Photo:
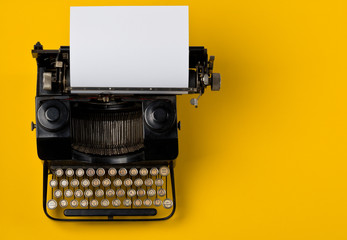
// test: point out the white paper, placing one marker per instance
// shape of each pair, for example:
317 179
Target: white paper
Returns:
129 47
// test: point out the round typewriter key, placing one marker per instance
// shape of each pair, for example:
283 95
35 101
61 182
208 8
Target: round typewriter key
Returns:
157 202
79 172
122 172
88 193
133 172
147 202
84 203
159 182
149 182
151 192
131 193
104 203
63 203
154 171
85 183
74 203
141 192
137 202
90 172
138 182
78 193
116 203
94 203
106 182
52 204
53 183
95 182
164 171
100 172
128 182
127 202
99 193
59 172
143 172
74 183
68 193
120 192
167 203
112 172
161 192
64 183
110 193
69 172
117 182
58 193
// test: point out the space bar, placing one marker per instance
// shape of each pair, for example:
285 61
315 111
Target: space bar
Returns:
110 212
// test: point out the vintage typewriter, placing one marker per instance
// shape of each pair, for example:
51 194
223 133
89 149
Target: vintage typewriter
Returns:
109 156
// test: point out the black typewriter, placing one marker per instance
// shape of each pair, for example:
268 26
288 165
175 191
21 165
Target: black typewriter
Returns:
109 154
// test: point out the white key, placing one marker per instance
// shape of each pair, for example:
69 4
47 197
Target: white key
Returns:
68 193
143 172
150 192
104 203
120 192
112 172
133 172
164 171
157 202
78 193
69 172
79 172
117 182
137 202
84 203
128 182
64 183
159 182
100 172
110 193
122 172
106 182
85 183
63 203
74 183
58 193
161 192
131 193
149 182
116 202
154 171
167 203
96 182
59 172
52 204
90 172
138 182
147 202
53 183
141 192
94 203
88 193
74 203
127 202
99 193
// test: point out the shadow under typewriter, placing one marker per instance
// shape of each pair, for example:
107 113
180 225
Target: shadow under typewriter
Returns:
99 193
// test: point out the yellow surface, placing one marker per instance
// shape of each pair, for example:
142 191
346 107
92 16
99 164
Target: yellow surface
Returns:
265 158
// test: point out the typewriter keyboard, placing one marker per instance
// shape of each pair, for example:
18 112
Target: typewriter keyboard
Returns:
96 192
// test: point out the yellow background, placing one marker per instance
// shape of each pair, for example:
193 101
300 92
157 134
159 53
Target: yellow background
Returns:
265 158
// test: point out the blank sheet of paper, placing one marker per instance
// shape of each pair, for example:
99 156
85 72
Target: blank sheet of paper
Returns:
129 47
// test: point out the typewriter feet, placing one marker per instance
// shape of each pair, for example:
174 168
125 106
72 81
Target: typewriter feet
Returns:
112 193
